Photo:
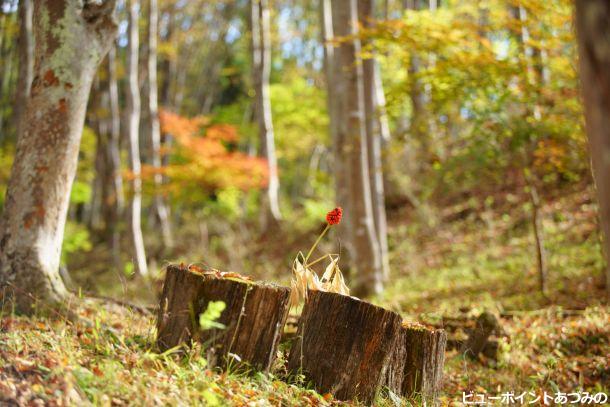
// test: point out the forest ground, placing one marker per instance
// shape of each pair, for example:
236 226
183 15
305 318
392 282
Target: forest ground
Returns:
475 261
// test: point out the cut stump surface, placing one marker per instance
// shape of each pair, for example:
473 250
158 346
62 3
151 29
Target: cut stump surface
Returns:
254 317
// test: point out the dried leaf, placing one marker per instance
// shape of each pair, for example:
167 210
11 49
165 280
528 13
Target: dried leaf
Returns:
328 273
338 284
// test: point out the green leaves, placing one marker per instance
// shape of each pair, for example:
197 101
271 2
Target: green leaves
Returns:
207 319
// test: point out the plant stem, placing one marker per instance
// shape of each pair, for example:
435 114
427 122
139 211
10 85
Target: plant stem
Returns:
316 243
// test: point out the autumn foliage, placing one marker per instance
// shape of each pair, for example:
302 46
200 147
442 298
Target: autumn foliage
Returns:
204 157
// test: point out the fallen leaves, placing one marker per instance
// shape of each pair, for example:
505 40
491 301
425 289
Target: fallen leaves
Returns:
212 272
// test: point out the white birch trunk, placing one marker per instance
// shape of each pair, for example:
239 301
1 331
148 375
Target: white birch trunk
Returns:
115 133
373 127
261 66
160 206
133 125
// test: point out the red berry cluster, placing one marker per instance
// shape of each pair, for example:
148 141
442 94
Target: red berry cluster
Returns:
334 217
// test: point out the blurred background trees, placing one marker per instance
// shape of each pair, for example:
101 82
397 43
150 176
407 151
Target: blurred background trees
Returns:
424 112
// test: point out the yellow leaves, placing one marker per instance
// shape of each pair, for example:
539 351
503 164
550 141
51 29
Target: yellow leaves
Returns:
551 155
304 278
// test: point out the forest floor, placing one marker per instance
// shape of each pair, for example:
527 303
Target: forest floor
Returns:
554 342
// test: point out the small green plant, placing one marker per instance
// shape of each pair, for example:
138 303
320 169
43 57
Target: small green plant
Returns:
207 319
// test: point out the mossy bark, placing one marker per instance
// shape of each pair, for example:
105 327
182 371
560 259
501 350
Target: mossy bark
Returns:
71 38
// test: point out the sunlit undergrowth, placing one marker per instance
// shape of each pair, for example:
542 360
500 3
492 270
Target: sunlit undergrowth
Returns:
490 262
461 267
110 361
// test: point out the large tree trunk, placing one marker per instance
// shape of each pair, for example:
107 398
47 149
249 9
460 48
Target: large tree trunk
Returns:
362 242
38 193
374 138
161 209
26 59
592 18
261 68
133 118
331 70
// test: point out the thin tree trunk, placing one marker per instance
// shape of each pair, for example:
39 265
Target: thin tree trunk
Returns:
373 137
160 206
26 59
38 193
133 117
539 237
7 75
347 79
94 207
114 159
380 105
593 30
532 80
261 67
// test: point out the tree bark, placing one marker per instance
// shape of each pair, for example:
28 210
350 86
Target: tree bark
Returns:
362 242
373 139
343 345
380 104
116 204
254 317
261 69
133 118
339 164
415 370
160 207
538 229
592 18
38 193
26 59
7 73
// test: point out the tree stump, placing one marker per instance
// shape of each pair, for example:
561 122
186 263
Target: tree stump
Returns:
254 317
415 370
477 340
343 345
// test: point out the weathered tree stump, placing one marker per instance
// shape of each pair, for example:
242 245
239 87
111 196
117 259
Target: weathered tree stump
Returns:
254 317
415 370
343 345
477 340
